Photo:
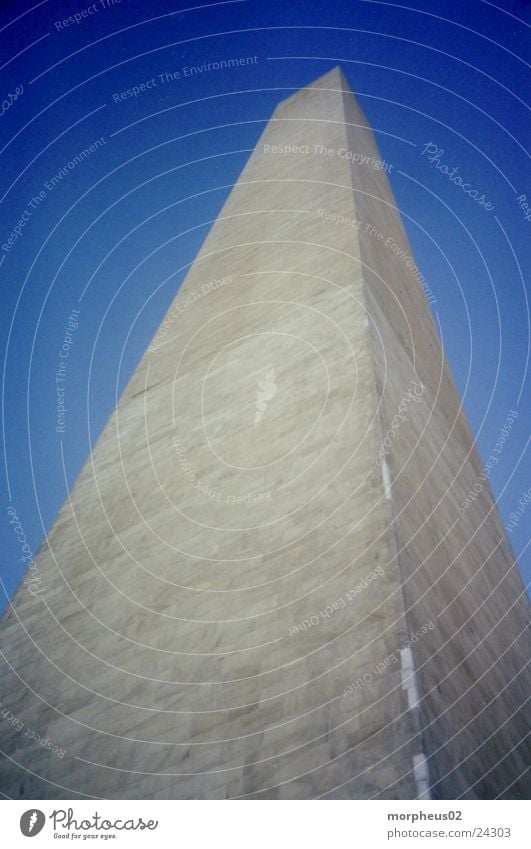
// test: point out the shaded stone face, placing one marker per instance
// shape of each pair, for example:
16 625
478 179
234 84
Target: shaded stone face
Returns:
251 591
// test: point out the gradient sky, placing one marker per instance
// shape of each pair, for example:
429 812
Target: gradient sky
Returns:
114 237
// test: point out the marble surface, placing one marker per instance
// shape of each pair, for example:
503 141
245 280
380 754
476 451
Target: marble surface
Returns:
225 594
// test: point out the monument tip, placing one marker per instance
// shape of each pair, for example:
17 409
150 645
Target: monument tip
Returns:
333 79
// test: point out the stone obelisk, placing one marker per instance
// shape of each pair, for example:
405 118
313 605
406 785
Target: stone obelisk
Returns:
264 583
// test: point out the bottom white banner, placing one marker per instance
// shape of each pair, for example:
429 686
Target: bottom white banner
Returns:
263 824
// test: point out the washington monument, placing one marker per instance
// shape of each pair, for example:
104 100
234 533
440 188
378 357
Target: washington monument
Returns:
281 573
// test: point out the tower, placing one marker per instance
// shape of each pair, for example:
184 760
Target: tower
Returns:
264 583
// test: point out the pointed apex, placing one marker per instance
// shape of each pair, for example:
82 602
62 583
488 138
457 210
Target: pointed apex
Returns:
333 79
333 83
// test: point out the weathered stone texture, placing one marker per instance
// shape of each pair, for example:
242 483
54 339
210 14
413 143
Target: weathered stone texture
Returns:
166 654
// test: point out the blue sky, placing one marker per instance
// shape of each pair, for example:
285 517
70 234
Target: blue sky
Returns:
115 234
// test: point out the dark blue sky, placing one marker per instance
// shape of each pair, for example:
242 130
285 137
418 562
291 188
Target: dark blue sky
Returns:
115 233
